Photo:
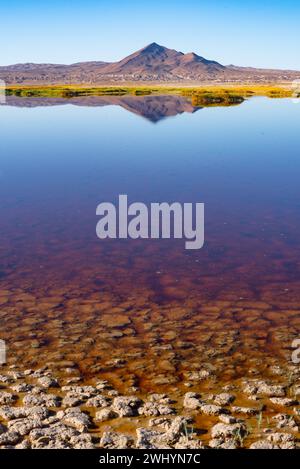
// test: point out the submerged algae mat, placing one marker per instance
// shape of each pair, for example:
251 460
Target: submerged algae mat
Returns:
154 337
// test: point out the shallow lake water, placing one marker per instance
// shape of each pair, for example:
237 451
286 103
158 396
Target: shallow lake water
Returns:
149 311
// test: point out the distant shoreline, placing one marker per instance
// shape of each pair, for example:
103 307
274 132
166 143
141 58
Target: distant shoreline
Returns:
203 95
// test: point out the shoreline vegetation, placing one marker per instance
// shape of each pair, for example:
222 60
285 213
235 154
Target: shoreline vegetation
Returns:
201 95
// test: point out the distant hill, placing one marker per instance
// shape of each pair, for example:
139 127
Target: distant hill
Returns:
152 64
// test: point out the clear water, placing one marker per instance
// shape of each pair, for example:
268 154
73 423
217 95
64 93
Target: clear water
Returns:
59 161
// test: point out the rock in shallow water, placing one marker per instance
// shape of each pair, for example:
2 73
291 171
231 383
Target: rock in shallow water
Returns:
221 430
285 402
105 414
224 399
10 413
25 425
43 399
151 439
126 406
56 436
77 419
114 440
48 382
7 398
192 401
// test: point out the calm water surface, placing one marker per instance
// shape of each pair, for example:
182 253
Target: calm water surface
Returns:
58 162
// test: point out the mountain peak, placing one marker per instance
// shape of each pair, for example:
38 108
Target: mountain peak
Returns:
153 48
153 45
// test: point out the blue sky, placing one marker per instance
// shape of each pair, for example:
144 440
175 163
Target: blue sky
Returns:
254 33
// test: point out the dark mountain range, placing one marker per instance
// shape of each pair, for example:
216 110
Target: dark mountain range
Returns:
152 64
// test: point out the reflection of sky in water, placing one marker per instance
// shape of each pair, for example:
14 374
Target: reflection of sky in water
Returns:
57 163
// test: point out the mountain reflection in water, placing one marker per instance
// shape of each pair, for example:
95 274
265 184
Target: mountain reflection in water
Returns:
153 108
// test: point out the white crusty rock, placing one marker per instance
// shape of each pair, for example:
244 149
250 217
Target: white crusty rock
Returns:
224 399
161 398
212 409
42 399
221 430
147 438
150 439
47 382
75 418
80 392
199 375
245 410
263 444
154 409
221 443
228 419
185 442
176 430
105 414
280 437
70 401
192 401
102 385
126 406
286 420
9 438
162 422
22 387
263 388
114 440
6 379
98 401
15 374
285 401
55 436
7 398
82 441
24 425
276 441
10 413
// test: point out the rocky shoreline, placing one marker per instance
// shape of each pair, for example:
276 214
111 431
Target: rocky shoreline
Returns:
107 372
38 410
